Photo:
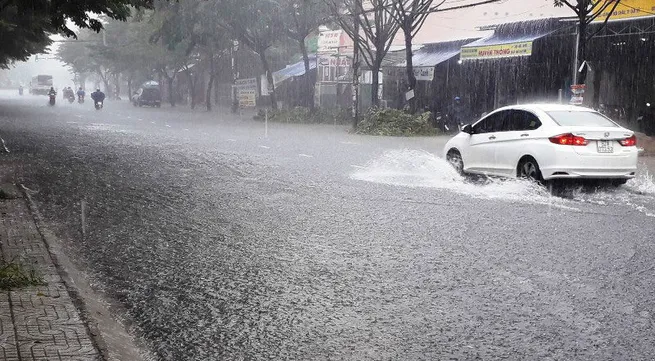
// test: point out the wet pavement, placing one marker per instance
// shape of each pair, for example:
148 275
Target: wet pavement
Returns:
311 243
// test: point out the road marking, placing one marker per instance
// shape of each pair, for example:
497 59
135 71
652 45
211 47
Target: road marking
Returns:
152 122
4 145
186 130
265 147
168 126
349 143
71 122
231 140
305 155
139 119
357 166
79 116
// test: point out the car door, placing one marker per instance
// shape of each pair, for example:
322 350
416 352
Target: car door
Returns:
514 140
480 157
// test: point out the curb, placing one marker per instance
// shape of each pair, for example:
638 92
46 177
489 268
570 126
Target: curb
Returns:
73 292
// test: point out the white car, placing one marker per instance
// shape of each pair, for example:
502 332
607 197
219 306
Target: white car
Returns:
545 142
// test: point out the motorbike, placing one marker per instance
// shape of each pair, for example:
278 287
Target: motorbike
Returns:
52 99
80 99
71 98
20 91
98 105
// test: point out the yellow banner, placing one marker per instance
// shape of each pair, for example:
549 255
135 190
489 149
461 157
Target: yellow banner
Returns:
497 51
628 9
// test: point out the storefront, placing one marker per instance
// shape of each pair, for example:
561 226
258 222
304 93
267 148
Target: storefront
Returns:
434 67
520 62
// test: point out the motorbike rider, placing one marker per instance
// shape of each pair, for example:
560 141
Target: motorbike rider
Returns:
98 96
458 114
81 93
52 92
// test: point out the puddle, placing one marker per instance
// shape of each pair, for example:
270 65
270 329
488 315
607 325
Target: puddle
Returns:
421 169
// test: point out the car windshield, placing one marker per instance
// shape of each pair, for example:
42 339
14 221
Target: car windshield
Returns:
577 118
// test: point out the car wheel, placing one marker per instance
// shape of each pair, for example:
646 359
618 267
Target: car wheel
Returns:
528 168
455 159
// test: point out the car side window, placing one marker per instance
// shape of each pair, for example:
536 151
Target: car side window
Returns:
523 120
493 123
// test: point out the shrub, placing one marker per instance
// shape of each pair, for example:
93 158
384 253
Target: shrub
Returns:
302 115
16 275
394 122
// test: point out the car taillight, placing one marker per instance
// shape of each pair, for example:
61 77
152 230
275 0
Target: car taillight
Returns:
568 139
629 142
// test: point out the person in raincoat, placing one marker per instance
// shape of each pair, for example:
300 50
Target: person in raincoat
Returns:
458 115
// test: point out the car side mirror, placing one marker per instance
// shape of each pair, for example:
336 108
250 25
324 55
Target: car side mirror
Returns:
467 129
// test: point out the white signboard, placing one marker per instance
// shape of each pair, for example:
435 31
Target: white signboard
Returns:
246 92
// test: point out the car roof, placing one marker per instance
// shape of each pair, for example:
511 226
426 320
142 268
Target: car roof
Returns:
550 107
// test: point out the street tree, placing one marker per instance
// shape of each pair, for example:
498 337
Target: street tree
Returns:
587 11
25 25
372 25
302 18
258 25
410 16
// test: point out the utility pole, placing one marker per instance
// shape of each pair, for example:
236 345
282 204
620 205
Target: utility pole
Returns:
356 73
235 76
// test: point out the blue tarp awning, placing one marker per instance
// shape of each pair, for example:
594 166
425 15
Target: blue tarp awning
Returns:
293 70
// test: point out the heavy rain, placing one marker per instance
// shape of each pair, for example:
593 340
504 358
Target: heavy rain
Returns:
327 179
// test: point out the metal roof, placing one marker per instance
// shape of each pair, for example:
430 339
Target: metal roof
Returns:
517 32
434 54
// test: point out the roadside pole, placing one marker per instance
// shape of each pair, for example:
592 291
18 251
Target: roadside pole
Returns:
265 122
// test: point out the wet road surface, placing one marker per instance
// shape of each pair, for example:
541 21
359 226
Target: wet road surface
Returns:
313 244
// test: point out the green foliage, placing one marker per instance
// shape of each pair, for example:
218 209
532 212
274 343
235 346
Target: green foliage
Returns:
302 115
16 275
393 122
25 25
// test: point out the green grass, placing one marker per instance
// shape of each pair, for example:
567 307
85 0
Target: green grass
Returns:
16 275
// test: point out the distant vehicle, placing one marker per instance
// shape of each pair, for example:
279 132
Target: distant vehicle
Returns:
98 105
41 84
53 98
148 94
20 90
544 142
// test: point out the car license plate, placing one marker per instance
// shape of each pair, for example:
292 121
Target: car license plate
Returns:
605 146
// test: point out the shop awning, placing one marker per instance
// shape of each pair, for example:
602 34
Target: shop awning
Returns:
293 70
510 40
428 56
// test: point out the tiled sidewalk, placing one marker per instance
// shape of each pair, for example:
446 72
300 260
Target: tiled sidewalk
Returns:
37 323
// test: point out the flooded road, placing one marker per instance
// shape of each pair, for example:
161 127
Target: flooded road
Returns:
312 244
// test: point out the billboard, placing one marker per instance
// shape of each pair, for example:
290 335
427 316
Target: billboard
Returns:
627 9
495 51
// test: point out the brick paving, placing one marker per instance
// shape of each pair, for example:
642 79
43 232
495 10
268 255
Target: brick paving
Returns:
37 323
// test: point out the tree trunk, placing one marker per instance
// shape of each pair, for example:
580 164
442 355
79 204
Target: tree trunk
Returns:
208 97
355 86
269 78
192 89
171 95
118 86
309 86
411 78
375 86
129 88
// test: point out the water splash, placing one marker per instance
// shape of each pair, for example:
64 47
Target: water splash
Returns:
415 168
421 169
